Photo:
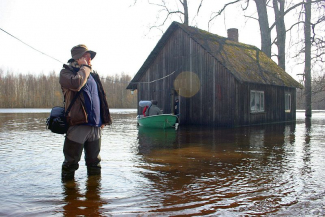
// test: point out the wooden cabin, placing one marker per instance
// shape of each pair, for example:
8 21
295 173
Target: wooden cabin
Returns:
218 81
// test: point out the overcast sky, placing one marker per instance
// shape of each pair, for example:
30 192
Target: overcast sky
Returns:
117 30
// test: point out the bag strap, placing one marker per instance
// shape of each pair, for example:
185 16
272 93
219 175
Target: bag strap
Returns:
72 102
75 97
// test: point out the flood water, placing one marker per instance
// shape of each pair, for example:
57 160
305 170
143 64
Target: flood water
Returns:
276 169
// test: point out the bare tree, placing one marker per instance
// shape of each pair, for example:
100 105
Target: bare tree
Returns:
308 57
318 35
278 6
167 11
313 49
264 26
261 6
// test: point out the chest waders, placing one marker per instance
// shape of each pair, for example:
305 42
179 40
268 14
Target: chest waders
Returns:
72 154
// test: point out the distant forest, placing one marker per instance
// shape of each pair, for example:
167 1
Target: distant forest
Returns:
317 94
44 91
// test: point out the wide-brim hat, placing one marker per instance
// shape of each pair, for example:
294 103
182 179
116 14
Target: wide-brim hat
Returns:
79 50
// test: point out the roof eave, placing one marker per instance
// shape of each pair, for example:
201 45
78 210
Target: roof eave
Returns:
152 56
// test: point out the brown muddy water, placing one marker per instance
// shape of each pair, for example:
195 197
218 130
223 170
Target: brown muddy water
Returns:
276 169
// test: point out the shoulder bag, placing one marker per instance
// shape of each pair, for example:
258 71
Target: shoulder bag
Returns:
57 121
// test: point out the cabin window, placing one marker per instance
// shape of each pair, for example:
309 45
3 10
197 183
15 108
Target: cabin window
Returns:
287 104
257 101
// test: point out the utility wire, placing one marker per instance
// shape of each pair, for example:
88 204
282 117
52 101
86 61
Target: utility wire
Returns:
146 82
30 46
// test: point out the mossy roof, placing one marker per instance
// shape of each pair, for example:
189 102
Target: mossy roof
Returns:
246 62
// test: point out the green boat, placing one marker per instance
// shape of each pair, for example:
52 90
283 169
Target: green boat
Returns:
157 121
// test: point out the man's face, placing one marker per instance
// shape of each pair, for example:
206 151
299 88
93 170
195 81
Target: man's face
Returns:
87 57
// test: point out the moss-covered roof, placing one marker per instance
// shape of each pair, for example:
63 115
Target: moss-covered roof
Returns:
247 63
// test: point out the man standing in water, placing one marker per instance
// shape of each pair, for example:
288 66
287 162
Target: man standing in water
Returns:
88 115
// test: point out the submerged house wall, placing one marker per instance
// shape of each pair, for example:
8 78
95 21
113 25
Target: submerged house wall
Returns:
274 104
212 82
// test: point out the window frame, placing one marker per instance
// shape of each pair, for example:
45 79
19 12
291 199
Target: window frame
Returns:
260 96
287 102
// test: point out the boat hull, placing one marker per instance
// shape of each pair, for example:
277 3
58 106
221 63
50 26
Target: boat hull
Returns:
158 121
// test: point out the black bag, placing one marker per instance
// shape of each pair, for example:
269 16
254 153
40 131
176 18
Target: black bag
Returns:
57 121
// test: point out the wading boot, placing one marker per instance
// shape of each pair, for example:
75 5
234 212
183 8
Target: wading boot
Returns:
68 171
92 157
67 176
72 153
93 170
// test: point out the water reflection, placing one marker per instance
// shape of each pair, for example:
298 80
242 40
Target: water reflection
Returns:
151 139
217 168
78 203
308 129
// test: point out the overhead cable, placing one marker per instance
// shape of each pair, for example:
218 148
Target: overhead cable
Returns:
30 46
148 82
144 82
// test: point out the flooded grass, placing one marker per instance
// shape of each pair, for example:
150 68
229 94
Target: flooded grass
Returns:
275 169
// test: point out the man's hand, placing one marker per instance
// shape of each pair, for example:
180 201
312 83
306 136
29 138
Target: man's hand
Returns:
82 61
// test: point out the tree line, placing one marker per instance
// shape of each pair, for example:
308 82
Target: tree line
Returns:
44 91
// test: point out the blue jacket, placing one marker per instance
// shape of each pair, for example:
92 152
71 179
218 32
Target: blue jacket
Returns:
92 102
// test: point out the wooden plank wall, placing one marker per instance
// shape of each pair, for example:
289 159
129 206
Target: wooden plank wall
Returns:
214 104
274 104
